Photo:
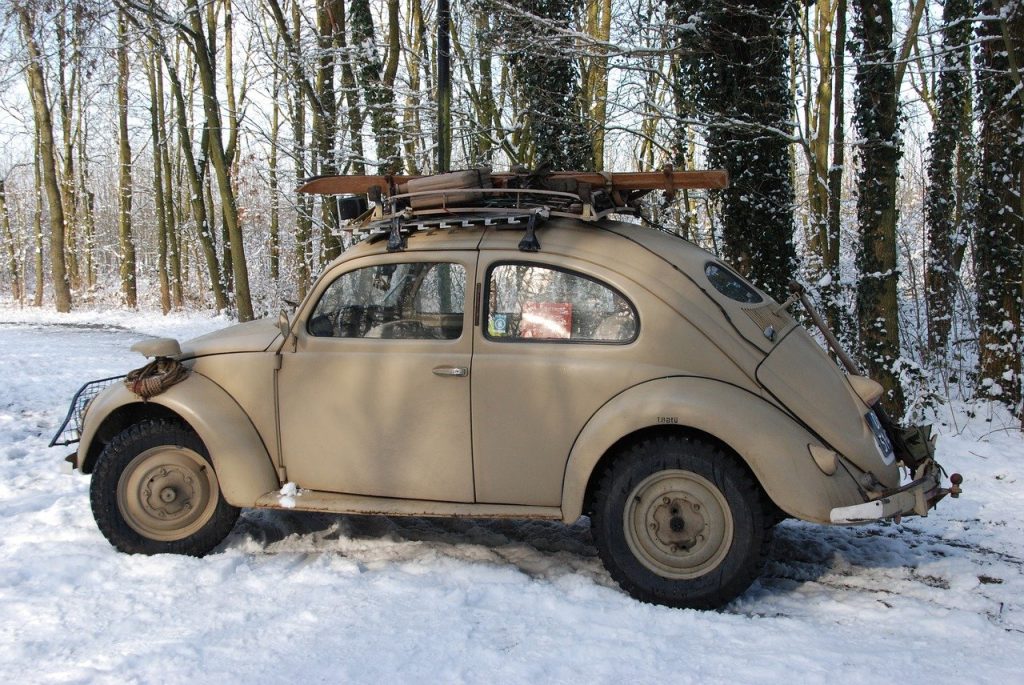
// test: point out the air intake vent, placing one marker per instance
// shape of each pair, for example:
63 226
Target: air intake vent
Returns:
765 316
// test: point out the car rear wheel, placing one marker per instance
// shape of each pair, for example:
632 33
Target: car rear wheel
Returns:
678 521
155 491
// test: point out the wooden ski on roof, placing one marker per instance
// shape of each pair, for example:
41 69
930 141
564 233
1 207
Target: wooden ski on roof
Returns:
667 180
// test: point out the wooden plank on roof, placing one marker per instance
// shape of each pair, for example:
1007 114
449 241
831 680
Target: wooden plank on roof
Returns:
621 181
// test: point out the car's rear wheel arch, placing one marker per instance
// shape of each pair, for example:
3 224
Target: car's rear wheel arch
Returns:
620 448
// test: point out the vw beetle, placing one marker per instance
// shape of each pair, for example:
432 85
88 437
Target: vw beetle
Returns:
501 347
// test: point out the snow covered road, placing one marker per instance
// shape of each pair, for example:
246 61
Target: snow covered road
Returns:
318 598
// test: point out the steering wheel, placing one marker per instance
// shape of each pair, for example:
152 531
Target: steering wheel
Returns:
397 329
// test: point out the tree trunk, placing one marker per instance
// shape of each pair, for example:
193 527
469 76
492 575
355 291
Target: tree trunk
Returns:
487 116
87 205
817 148
444 87
10 248
412 129
126 254
354 114
304 203
64 94
380 100
275 197
999 235
152 64
170 213
37 222
325 118
51 183
548 81
737 77
835 172
877 119
196 199
599 25
949 138
229 210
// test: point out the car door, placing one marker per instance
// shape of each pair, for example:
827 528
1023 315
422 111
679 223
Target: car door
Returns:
374 396
554 344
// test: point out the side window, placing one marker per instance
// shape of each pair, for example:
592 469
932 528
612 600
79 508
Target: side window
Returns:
730 285
530 302
415 301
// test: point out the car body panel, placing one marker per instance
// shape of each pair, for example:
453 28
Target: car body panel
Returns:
248 378
342 503
252 336
240 457
531 399
410 438
829 405
631 253
772 444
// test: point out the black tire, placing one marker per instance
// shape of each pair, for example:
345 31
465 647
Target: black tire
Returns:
154 491
679 522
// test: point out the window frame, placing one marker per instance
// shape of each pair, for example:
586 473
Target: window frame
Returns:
359 266
485 303
744 283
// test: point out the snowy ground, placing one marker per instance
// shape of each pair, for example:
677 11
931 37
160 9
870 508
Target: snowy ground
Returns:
303 598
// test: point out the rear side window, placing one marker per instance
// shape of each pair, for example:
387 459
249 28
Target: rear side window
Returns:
729 284
528 302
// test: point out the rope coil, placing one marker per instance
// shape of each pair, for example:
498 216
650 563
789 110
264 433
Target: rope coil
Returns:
155 377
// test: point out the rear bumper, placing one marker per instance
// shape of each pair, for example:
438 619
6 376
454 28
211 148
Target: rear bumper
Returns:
914 498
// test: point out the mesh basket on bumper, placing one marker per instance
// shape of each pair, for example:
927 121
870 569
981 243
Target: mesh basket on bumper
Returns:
70 431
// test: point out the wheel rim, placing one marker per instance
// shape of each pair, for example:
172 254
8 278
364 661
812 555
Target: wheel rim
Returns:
678 524
167 493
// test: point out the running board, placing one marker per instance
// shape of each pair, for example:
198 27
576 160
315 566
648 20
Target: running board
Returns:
337 503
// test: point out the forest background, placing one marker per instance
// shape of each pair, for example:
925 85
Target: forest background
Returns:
149 151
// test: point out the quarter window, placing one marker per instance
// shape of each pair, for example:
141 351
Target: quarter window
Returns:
415 301
729 284
530 302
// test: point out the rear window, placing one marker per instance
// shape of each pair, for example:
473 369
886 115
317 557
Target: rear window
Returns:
729 284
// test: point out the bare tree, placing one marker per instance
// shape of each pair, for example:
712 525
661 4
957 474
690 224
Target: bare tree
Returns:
126 255
9 245
51 182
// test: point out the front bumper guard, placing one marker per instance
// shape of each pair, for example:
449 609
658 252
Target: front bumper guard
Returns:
914 498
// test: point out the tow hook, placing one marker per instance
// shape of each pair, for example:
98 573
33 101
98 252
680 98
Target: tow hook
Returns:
955 480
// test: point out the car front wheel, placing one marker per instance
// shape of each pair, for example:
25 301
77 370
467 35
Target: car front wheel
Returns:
154 490
679 522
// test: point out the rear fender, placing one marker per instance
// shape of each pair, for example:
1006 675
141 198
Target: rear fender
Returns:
772 444
243 465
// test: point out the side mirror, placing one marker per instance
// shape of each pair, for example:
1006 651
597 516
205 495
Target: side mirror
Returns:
284 325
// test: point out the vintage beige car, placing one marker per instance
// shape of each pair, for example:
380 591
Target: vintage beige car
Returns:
532 358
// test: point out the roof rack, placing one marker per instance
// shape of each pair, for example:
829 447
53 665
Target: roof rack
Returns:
478 197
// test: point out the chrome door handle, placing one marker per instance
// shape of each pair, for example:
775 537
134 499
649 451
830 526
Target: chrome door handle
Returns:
457 371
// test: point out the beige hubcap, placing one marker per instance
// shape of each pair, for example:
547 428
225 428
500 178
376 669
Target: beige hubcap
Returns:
167 493
678 524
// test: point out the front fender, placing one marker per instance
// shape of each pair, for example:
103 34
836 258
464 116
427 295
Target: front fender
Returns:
243 465
772 444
